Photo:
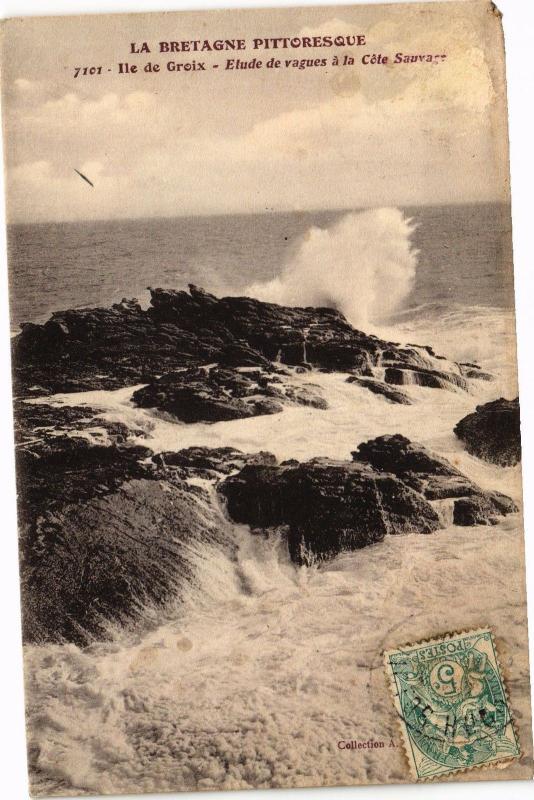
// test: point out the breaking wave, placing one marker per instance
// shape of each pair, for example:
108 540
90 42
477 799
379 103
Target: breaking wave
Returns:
364 265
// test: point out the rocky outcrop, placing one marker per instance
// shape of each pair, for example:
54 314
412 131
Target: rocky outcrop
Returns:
327 506
399 455
469 370
430 378
482 508
82 349
435 478
108 529
330 506
382 389
86 566
492 432
213 394
210 462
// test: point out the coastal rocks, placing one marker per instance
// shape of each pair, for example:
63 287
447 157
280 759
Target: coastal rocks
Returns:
431 378
396 453
327 506
210 462
492 432
99 348
473 371
88 567
38 423
67 468
381 388
393 486
482 509
213 394
109 531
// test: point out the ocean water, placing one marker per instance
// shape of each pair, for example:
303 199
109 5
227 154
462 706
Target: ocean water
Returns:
253 679
464 256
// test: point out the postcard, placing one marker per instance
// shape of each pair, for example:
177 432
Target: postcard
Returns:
267 420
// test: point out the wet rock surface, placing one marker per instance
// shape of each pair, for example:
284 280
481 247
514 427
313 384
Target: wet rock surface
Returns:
430 378
125 345
214 394
492 432
381 388
331 506
211 462
109 529
100 563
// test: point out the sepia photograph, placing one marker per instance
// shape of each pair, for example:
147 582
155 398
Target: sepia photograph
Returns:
266 406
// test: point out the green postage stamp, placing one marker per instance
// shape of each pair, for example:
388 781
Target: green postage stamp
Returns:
452 704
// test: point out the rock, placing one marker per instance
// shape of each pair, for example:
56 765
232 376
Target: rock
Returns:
503 503
397 454
475 373
214 394
306 395
106 528
199 395
477 510
239 354
71 469
327 506
381 388
492 432
223 460
440 487
37 423
99 348
431 378
87 564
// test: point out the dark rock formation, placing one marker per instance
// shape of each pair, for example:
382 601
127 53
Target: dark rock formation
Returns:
211 462
431 378
214 394
36 425
399 455
125 345
107 528
328 506
381 388
331 506
473 371
67 468
482 509
87 564
492 432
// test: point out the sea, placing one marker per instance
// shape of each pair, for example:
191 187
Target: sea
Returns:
253 677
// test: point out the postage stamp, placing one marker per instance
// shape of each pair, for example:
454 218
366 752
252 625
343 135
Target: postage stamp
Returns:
452 704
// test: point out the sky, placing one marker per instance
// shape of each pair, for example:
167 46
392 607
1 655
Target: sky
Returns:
221 141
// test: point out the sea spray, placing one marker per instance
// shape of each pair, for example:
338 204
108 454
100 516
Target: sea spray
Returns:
364 265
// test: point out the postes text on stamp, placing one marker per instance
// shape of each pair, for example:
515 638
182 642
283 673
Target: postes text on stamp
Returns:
452 704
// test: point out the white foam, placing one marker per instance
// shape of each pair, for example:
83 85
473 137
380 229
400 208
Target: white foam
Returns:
363 265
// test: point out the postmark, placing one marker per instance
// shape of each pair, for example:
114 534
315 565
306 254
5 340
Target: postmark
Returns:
451 699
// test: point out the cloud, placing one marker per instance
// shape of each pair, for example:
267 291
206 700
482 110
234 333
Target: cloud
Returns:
419 136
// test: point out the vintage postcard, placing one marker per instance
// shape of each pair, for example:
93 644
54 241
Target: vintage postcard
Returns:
266 404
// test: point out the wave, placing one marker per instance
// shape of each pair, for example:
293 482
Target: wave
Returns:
466 333
364 265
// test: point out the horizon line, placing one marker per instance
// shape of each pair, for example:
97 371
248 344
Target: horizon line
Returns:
192 215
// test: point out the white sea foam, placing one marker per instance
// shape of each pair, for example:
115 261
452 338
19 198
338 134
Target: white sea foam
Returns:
261 668
256 688
364 265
